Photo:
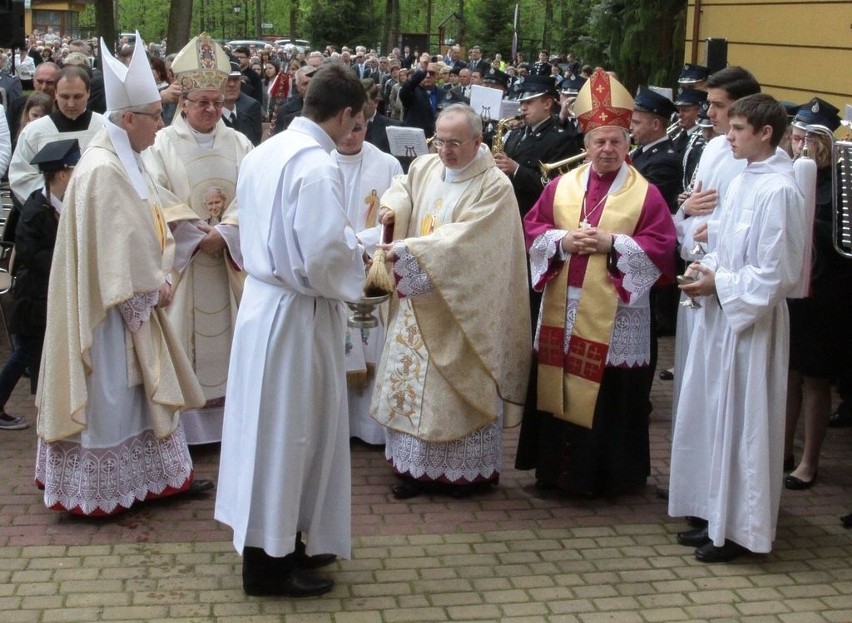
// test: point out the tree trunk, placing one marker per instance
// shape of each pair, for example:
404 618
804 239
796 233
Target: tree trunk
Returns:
180 23
105 23
294 19
548 24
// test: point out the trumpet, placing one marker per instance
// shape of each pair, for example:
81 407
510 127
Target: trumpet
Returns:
560 166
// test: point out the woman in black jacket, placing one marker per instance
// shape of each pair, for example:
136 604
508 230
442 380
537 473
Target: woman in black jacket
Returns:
35 237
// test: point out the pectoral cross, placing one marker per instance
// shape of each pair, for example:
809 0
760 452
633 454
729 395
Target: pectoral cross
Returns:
584 224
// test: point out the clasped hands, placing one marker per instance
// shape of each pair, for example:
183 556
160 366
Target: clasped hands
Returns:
213 243
587 241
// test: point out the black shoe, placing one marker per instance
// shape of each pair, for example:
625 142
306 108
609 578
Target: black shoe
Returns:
842 417
407 489
695 522
667 375
199 486
710 553
797 484
294 583
846 520
301 560
662 493
693 538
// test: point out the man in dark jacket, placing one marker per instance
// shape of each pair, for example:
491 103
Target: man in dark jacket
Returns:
420 96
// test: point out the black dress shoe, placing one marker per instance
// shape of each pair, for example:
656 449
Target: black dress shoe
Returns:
695 522
693 538
300 559
407 489
662 493
667 375
294 583
199 486
710 553
797 484
846 520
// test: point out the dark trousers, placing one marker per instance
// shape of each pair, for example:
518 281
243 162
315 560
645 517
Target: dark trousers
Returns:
26 353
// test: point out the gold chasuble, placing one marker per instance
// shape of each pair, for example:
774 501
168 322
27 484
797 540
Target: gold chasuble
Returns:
111 246
568 383
455 354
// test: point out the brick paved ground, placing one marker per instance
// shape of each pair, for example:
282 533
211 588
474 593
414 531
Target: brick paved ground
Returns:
515 555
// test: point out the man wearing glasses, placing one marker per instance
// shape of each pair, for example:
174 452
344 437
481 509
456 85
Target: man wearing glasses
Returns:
195 154
115 377
456 358
420 97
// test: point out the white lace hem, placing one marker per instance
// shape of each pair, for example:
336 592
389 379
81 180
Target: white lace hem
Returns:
413 280
106 480
473 458
630 341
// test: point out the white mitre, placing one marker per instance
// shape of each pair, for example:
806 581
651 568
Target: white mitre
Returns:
202 65
128 86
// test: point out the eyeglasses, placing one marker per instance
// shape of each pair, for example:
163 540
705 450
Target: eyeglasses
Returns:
153 115
440 143
207 103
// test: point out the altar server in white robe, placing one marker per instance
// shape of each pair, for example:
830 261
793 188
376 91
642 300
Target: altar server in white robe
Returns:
114 376
71 119
367 174
728 445
716 170
198 158
285 444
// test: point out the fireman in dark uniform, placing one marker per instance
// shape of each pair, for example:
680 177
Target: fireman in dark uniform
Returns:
540 138
658 162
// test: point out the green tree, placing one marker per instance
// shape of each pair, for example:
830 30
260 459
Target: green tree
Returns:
345 22
643 38
490 26
180 23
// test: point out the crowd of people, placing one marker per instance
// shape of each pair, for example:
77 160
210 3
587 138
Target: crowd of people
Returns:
201 270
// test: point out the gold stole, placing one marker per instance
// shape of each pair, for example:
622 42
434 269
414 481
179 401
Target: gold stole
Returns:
568 384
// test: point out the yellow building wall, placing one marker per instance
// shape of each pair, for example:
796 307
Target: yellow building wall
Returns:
49 6
795 48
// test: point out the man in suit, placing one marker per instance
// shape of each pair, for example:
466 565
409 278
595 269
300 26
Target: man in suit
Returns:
476 60
241 111
420 96
377 124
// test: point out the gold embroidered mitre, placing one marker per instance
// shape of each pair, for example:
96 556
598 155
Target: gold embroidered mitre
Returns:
202 65
602 102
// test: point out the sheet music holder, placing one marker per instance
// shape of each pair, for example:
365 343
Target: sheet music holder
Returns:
407 142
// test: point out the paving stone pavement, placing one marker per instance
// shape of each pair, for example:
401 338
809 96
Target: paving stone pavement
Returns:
514 555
